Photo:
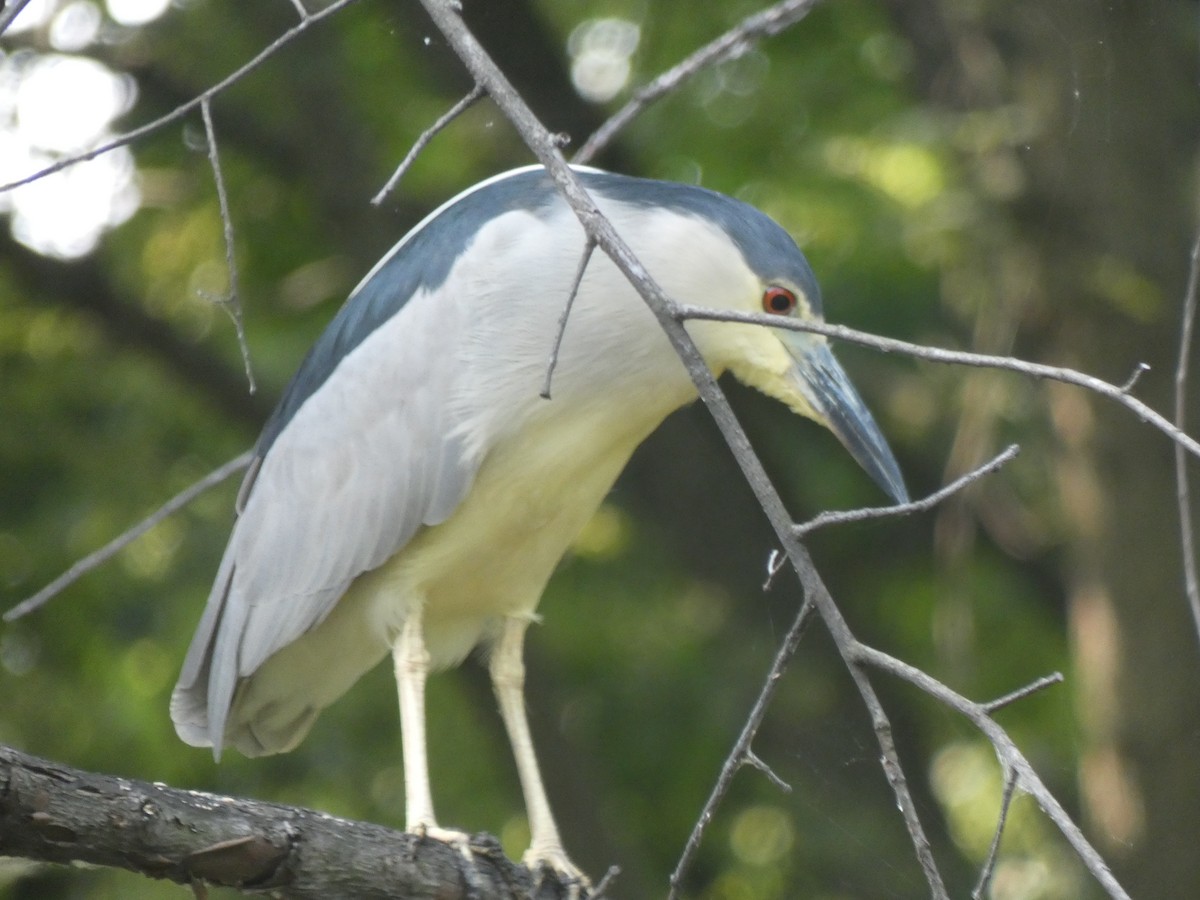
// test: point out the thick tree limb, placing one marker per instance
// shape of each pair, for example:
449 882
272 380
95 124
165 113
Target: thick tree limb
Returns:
53 813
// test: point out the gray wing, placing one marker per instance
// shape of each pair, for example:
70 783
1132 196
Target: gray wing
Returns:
369 456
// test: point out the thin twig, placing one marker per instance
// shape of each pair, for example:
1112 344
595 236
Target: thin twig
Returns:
231 302
989 864
10 12
426 136
184 109
481 67
1182 483
1021 693
741 753
776 561
1134 377
904 509
300 9
753 759
1010 757
893 770
566 314
604 883
956 358
101 556
729 45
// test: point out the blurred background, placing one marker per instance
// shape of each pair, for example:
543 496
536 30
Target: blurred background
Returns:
1006 176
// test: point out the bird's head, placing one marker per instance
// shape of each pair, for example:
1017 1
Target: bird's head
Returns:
718 252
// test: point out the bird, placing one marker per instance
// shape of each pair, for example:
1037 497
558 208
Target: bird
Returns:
413 491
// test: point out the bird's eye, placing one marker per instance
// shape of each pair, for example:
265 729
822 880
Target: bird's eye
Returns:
778 301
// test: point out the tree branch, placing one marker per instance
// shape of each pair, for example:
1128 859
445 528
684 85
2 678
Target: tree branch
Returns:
1182 484
99 557
57 814
729 45
957 358
183 109
232 301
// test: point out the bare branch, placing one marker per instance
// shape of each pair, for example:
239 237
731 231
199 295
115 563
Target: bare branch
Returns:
9 13
1010 757
231 302
300 9
904 509
604 883
1182 484
989 865
741 752
753 759
1134 377
730 45
117 544
1021 693
423 141
588 248
57 814
847 646
183 109
956 358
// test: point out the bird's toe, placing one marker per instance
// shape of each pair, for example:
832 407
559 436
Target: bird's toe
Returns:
569 875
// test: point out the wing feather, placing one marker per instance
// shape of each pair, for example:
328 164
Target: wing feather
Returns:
369 458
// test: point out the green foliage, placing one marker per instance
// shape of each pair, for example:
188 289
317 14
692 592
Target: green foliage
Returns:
913 207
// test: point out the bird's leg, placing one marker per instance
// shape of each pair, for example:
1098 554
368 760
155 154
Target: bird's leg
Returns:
508 679
411 660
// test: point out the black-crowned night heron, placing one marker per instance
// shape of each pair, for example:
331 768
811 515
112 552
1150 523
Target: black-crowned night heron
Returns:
413 491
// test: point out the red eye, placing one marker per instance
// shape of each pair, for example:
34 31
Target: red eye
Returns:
778 301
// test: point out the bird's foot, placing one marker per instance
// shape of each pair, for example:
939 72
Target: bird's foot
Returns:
554 859
459 840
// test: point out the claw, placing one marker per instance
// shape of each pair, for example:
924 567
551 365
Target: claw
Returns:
554 859
460 841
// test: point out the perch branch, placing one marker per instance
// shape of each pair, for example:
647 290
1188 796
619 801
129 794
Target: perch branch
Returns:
57 814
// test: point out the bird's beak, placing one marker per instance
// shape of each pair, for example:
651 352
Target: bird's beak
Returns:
824 384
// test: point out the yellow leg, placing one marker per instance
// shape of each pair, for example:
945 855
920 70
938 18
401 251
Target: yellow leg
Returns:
507 669
412 668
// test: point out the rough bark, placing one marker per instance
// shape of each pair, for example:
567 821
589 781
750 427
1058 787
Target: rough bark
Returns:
53 813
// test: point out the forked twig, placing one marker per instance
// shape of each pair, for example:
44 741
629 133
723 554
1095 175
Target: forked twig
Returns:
905 509
776 561
741 754
231 302
1010 757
